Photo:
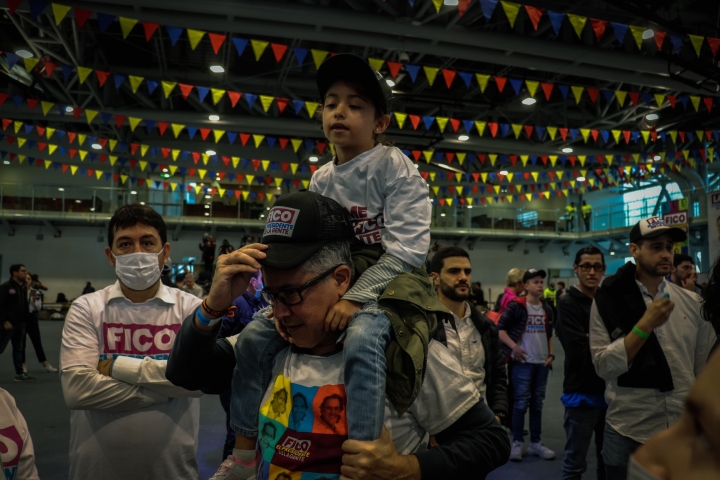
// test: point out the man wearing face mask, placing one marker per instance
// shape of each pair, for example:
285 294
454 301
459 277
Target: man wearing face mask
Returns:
127 420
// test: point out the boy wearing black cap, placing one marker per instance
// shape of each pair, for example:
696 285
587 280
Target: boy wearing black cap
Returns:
525 329
648 341
388 201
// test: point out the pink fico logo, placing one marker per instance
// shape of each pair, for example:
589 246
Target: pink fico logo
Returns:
139 339
11 446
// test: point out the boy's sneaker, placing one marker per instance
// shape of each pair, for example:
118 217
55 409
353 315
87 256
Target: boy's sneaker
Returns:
23 377
231 470
516 452
541 451
50 369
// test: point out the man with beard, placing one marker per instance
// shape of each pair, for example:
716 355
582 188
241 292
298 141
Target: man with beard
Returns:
648 342
473 339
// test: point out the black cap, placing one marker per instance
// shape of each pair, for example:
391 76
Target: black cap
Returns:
299 224
652 227
532 273
346 66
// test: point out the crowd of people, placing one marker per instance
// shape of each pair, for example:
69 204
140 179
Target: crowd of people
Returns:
340 348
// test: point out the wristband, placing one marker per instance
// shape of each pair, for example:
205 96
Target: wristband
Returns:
214 313
208 322
552 355
640 333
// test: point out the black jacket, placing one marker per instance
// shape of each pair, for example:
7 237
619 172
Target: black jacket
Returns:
13 303
572 328
471 447
494 366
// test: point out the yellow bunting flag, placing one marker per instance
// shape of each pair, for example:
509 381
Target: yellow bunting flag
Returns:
306 184
81 138
311 108
46 106
449 201
585 132
198 189
636 158
376 63
400 118
659 99
517 129
83 154
265 164
134 121
258 140
112 143
113 159
143 149
266 101
293 167
646 135
194 36
673 135
532 86
578 23
695 101
510 177
438 4
493 158
482 81
637 33
90 114
480 127
697 42
259 47
52 148
442 122
616 135
83 73
18 125
47 164
428 155
577 92
73 169
524 159
621 95
431 73
205 158
461 157
135 82
318 56
296 142
553 160
511 11
175 154
21 142
177 128
59 11
218 135
235 161
458 178
98 174
245 195
168 87
559 174
552 131
582 159
126 25
30 64
484 177
535 175
49 132
143 165
202 173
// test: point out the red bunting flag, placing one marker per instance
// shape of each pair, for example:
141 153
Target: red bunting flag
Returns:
284 166
671 99
463 6
216 40
563 133
204 132
593 93
77 111
102 77
196 159
321 147
416 155
394 68
234 97
13 5
73 152
65 167
165 152
660 38
41 130
455 123
281 103
283 142
3 97
415 120
598 27
626 135
150 29
119 120
501 81
449 77
634 97
708 103
81 16
528 130
162 126
595 134
134 147
278 50
256 164
547 88
244 137
493 126
714 44
185 90
41 146
49 67
535 15
32 103
71 136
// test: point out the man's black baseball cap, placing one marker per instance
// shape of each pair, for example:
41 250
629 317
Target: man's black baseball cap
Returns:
532 273
351 68
299 224
652 227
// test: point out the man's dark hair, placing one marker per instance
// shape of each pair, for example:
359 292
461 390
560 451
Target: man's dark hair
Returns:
130 215
15 268
680 258
35 277
561 283
588 251
334 396
438 260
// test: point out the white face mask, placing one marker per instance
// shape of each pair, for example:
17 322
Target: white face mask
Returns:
138 271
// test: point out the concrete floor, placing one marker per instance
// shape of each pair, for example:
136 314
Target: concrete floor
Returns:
48 418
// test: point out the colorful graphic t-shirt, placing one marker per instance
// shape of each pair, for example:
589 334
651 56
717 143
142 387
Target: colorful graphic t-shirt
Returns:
303 416
534 338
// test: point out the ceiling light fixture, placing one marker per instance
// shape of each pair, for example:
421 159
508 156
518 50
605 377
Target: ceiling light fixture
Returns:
567 150
207 206
96 146
208 196
612 253
210 152
649 33
133 192
141 203
78 201
657 158
463 138
216 69
69 109
390 82
214 118
529 101
24 53
165 170
61 189
503 172
452 3
442 214
580 179
6 162
652 117
207 214
469 206
193 184
313 159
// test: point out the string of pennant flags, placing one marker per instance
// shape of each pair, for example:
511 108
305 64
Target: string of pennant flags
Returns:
494 129
511 10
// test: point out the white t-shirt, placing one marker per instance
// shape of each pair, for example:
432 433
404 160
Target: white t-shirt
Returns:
303 419
534 339
387 197
158 441
17 455
465 344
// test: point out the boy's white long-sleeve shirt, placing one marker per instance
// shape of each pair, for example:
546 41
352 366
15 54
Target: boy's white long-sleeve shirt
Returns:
385 194
18 455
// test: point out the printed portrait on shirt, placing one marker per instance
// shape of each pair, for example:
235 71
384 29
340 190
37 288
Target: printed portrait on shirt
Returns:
278 406
330 412
302 415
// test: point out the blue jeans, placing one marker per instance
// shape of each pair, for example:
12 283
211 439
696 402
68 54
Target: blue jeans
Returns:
529 383
580 423
366 339
616 453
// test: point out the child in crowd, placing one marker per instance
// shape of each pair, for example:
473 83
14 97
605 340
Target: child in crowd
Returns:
388 199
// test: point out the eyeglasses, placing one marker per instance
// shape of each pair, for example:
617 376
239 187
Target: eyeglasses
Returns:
293 296
585 267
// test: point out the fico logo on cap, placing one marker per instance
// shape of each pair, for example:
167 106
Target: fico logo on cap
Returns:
654 222
281 221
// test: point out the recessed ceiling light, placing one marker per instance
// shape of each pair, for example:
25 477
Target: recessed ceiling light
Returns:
262 215
503 172
390 82
208 196
452 3
529 101
216 68
24 53
567 150
214 118
193 184
210 152
463 138
648 34
313 159
133 192
207 214
61 189
6 162
207 206
657 158
69 109
469 206
580 179
96 146
442 214
78 201
652 116
165 170
142 203
92 209
612 253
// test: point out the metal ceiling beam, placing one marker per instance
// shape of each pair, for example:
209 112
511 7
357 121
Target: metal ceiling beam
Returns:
8 228
322 24
56 233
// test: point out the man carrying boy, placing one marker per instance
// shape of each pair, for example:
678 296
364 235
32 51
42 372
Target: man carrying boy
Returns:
525 330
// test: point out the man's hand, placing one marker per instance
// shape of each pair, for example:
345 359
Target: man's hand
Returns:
232 275
377 460
105 367
518 353
688 283
549 360
656 315
340 314
7 326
